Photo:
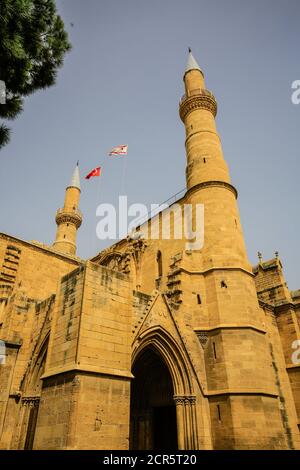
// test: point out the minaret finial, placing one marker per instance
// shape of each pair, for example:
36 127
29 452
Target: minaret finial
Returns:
259 256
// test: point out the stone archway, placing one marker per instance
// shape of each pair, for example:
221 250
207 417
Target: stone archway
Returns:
162 387
152 409
31 398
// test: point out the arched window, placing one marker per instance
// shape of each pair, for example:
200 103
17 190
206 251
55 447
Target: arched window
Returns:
159 263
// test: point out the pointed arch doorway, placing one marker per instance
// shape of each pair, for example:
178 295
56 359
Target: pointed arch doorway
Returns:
31 399
153 423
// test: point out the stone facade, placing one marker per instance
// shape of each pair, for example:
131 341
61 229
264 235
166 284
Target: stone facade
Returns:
150 345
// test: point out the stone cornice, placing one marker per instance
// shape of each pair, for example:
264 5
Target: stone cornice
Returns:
284 306
266 306
234 391
82 369
213 268
12 344
293 366
201 131
38 246
278 286
208 184
232 326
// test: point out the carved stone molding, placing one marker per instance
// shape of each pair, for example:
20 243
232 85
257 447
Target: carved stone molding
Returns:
203 100
136 248
68 217
115 260
203 338
184 399
30 402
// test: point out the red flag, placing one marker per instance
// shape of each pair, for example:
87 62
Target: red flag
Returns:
94 172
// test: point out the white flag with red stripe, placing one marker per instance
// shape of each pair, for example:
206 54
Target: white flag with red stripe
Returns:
119 150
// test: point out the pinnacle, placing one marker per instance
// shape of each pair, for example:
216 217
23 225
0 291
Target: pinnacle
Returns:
191 63
75 180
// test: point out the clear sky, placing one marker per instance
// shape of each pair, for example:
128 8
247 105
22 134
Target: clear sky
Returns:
122 82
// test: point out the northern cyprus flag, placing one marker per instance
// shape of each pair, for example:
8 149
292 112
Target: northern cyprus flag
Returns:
119 150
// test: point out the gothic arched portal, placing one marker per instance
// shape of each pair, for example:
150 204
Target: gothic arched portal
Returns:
153 411
163 403
31 399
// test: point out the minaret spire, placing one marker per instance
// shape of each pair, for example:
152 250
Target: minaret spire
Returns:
69 218
75 180
192 63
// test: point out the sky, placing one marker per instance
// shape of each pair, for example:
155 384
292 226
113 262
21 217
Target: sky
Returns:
121 83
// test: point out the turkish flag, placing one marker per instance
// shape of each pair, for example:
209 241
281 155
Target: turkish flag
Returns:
94 172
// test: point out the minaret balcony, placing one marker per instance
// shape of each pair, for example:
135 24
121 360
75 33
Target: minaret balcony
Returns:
73 216
199 98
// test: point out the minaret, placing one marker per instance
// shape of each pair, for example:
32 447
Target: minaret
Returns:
69 218
198 109
207 174
241 379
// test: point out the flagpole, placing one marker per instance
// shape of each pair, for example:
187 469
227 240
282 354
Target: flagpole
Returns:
98 195
123 175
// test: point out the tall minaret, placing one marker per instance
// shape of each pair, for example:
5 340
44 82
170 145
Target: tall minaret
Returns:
242 381
207 174
69 218
198 109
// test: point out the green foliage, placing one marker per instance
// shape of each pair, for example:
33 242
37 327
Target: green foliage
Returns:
33 43
4 135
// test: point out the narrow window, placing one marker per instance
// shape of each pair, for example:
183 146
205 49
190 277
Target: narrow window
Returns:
223 284
159 263
214 349
204 160
219 412
64 236
198 299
